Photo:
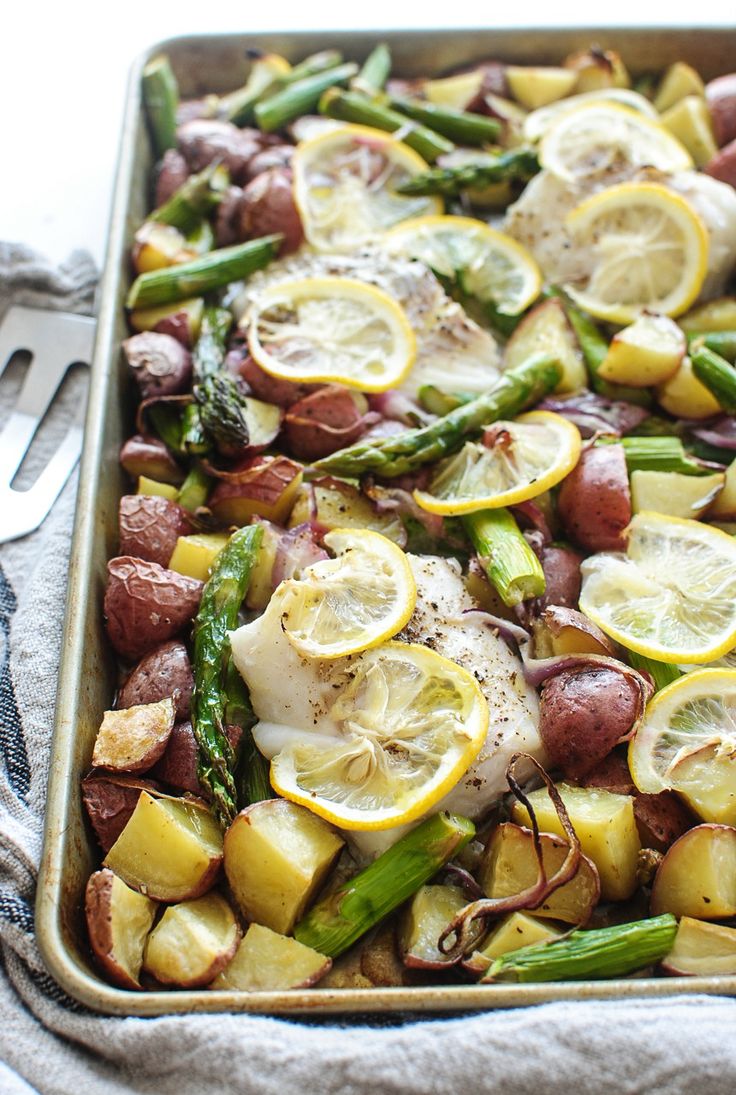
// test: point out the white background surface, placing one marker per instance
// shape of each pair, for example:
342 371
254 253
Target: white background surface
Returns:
64 66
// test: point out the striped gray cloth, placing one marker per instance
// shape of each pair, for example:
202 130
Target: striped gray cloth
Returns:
51 1045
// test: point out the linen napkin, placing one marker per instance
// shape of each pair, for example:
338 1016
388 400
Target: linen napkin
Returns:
53 1046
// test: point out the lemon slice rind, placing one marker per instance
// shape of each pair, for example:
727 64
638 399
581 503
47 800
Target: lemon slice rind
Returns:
331 330
370 578
475 461
386 772
665 585
626 251
490 265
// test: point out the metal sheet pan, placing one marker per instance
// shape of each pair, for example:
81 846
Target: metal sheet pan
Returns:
87 675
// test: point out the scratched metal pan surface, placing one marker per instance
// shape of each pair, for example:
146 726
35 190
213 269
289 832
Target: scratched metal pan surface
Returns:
87 675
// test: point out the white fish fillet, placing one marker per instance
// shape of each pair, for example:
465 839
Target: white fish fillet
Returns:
453 352
537 220
292 695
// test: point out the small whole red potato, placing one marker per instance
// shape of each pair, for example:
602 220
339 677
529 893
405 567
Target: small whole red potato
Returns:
722 166
325 421
159 363
583 713
172 173
150 526
595 502
720 95
110 800
561 566
148 456
268 206
165 671
203 140
145 604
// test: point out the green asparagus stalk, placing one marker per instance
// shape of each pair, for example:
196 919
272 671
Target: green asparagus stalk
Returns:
436 401
336 922
504 554
194 199
602 952
516 390
300 97
316 63
203 274
265 78
166 419
252 768
351 106
222 412
656 454
161 98
194 440
459 126
375 71
209 352
448 182
717 374
722 343
594 347
662 673
218 614
195 489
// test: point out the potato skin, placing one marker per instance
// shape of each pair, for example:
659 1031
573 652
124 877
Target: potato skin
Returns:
178 767
561 566
98 914
145 604
202 140
722 166
323 422
583 713
720 95
142 455
150 526
595 502
109 801
159 363
271 389
172 172
164 671
268 206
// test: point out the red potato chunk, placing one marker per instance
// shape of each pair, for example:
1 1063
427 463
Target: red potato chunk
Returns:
145 604
325 421
722 166
595 501
172 173
150 526
561 566
278 155
159 363
203 140
720 95
583 713
178 767
268 206
118 921
165 671
110 800
148 456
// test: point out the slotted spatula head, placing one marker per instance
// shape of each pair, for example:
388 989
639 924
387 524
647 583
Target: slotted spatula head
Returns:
55 341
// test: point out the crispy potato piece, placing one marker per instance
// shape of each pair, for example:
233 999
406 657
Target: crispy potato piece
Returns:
192 942
697 877
118 921
165 671
277 855
701 950
510 866
516 930
110 801
267 961
133 739
606 827
424 919
171 849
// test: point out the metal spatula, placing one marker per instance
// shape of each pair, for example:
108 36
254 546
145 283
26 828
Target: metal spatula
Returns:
55 340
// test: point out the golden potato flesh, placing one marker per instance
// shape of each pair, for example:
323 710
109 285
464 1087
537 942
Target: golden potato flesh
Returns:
516 930
192 942
697 876
170 849
134 738
509 866
606 828
277 855
118 921
424 919
702 950
266 961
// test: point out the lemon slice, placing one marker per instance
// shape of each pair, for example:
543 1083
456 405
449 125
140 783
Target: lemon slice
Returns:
346 187
598 136
331 330
411 724
486 264
672 596
340 606
539 121
649 249
687 743
527 457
